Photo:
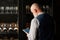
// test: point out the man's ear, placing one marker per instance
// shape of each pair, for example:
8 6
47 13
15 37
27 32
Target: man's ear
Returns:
35 10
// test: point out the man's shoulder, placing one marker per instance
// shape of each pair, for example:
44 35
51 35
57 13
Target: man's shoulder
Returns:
34 19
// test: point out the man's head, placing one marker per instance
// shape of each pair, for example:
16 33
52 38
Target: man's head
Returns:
35 9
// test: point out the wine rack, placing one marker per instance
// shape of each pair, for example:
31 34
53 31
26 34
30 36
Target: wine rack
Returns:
9 16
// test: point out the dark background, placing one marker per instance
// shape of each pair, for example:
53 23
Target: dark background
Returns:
24 16
8 18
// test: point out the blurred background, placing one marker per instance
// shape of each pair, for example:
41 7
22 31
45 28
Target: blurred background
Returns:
15 15
9 16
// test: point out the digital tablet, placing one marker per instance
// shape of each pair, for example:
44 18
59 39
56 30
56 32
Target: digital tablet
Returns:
26 30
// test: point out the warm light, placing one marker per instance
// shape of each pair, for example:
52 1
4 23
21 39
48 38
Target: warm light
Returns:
27 7
7 8
43 6
2 8
4 28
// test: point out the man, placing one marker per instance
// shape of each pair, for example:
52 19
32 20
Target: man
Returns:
42 27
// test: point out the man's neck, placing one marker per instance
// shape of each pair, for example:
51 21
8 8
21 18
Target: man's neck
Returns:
38 14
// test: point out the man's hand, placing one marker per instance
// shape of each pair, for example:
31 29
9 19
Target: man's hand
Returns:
27 34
